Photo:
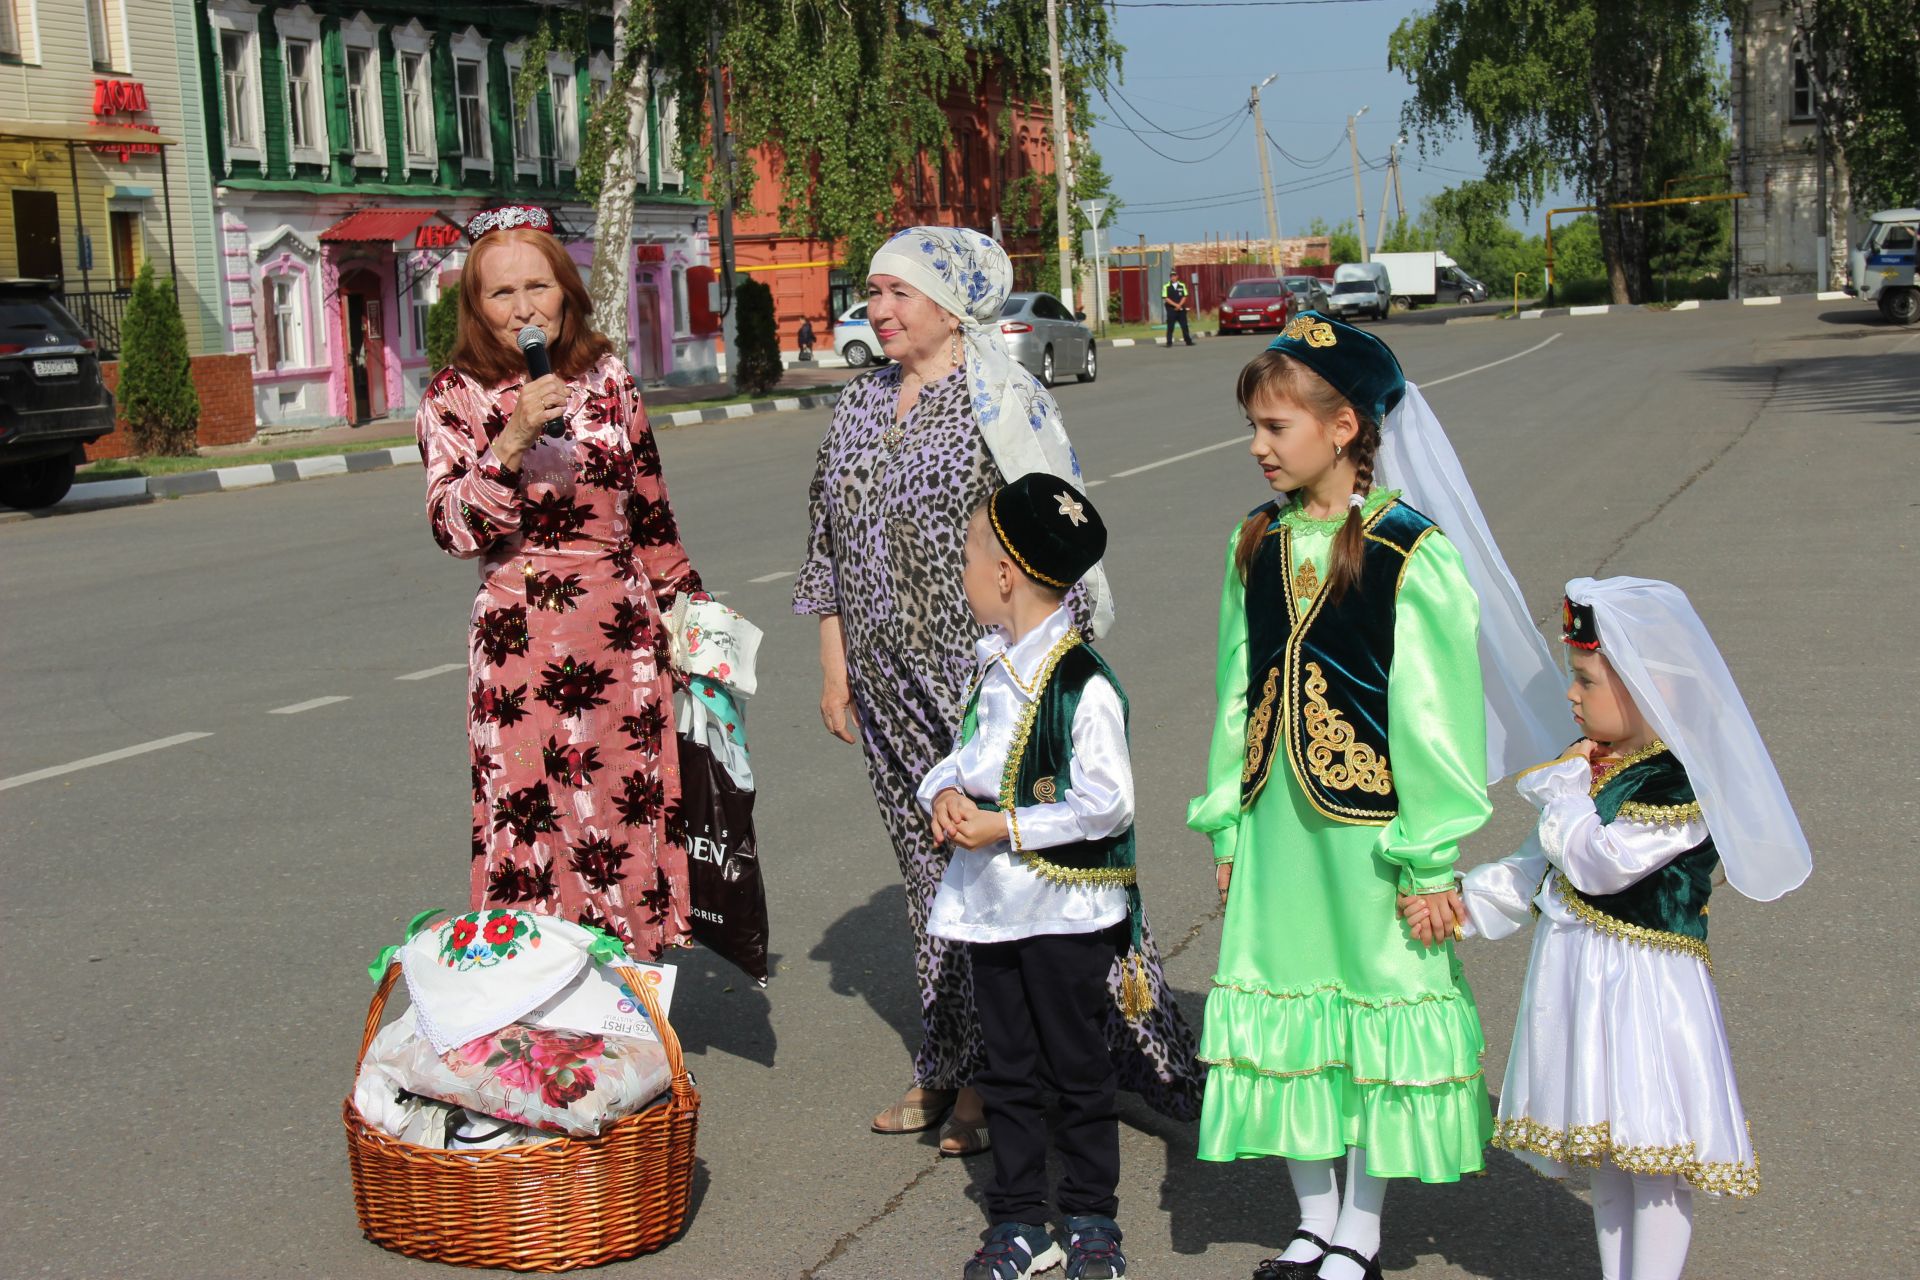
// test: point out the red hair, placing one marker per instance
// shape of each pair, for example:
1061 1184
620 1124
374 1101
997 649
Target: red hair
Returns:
478 350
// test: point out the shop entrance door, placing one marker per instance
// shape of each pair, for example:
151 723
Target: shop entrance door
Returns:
366 347
36 235
646 331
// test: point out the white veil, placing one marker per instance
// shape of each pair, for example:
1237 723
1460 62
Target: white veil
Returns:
1527 719
1660 648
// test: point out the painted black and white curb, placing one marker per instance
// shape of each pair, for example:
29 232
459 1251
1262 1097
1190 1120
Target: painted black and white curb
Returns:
1691 304
141 489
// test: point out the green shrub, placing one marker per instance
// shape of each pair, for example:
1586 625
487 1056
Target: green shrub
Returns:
443 323
757 338
156 393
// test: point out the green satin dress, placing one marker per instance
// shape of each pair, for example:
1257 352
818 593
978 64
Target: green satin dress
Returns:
1328 1026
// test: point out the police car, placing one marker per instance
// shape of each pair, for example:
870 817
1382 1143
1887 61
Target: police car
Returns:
1883 264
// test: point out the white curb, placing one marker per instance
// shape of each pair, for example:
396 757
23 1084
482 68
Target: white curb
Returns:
1589 311
1761 302
1691 304
1832 295
245 477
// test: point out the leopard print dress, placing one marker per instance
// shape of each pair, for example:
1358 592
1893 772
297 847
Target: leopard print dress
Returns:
888 526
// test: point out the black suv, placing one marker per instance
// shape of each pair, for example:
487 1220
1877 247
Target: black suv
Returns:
52 401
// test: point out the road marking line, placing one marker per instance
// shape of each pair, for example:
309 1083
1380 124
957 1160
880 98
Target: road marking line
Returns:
440 670
771 577
1095 484
1179 457
21 780
1242 439
1494 364
308 705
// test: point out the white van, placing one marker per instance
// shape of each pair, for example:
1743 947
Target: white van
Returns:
1361 289
1883 264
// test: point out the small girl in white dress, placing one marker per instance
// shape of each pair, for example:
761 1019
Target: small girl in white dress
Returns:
1620 1059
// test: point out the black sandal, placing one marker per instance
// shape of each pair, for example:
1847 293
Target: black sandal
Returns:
1274 1269
1369 1267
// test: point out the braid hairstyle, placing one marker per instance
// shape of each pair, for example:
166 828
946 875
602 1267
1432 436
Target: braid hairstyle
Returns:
1350 544
1279 374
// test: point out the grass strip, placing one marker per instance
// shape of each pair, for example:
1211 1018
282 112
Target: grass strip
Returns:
127 468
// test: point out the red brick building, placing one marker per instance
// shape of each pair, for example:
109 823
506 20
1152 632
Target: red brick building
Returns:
992 149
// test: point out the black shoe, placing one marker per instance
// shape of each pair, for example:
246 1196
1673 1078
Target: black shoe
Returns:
1093 1249
1013 1251
1370 1267
1274 1269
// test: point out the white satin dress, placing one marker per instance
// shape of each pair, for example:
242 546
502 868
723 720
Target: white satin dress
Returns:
1619 1052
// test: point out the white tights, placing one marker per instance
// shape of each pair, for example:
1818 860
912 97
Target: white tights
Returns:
1354 1223
1644 1223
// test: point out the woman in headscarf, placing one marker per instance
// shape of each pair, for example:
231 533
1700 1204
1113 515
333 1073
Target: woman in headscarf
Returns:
913 448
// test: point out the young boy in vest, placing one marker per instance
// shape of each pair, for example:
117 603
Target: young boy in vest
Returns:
1037 801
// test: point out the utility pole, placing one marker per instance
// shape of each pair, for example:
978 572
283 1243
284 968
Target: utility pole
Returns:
1359 197
1399 206
1063 201
1266 176
1389 187
723 191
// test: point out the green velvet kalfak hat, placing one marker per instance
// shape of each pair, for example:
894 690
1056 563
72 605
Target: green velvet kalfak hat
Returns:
1049 528
1354 362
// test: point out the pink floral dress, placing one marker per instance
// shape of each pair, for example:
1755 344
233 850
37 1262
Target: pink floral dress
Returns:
576 779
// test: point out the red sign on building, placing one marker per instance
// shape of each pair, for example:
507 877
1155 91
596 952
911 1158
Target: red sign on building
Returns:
122 97
437 235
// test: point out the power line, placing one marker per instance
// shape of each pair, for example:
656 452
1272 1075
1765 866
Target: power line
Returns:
1212 127
1118 119
1305 164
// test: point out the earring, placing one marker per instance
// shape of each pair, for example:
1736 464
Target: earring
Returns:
1339 449
956 346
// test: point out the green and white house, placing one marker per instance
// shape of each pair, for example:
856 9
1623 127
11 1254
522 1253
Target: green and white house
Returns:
348 145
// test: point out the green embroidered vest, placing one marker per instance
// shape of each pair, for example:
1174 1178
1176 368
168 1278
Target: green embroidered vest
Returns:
1666 908
1039 771
1317 686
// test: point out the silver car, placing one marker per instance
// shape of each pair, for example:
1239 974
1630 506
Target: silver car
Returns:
1044 336
1309 293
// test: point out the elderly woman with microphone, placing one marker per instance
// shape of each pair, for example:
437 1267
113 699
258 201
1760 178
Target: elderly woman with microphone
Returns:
540 465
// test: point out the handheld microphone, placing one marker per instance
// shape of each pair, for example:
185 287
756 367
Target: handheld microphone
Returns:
533 345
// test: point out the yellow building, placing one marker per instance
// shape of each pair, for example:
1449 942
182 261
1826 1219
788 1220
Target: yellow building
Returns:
103 156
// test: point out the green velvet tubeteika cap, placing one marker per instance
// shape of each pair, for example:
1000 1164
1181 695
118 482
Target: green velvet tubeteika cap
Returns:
1354 362
1049 528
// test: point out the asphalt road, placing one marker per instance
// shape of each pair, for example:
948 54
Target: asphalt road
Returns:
185 929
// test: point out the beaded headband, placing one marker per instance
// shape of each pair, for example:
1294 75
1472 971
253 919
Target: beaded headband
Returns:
507 217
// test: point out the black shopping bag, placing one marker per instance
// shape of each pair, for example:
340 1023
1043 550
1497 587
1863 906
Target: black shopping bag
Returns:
728 897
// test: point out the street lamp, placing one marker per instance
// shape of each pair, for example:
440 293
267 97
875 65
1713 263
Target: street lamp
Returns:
1266 175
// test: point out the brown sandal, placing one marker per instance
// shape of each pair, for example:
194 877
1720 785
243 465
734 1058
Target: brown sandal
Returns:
967 1139
914 1117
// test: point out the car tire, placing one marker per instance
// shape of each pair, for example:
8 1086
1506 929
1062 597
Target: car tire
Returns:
1403 302
31 486
1046 367
858 355
1091 369
1902 306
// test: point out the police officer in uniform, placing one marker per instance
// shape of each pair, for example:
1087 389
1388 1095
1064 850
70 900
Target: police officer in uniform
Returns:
1173 295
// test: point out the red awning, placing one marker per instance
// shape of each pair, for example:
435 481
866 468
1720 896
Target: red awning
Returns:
386 225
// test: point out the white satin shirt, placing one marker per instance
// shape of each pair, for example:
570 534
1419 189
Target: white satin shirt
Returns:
989 894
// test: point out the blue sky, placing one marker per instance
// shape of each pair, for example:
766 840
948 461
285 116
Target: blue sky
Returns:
1189 66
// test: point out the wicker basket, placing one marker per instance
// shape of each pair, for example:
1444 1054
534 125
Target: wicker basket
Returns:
548 1206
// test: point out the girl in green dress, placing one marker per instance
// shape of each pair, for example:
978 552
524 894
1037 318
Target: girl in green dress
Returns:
1349 759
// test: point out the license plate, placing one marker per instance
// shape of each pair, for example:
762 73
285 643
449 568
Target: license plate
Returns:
55 368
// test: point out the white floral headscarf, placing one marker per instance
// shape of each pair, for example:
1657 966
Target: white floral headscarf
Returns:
969 275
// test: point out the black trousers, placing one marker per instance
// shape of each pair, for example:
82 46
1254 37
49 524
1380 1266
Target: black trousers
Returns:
1180 318
1042 1003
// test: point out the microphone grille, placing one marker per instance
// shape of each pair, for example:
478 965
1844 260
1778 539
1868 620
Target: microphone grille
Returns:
531 337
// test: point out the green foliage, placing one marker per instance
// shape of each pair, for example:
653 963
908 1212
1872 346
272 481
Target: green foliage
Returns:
1029 209
850 92
1403 236
156 393
1599 95
1343 240
1576 250
1865 57
757 338
443 325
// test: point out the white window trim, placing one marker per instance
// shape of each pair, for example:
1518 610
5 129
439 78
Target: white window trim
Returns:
302 24
26 30
362 33
471 46
285 251
300 298
566 150
119 57
414 38
243 19
682 304
428 265
667 111
524 164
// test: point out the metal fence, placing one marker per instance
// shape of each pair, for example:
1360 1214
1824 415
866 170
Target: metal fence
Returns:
102 313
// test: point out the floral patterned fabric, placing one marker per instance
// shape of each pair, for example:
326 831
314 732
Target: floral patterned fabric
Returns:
560 1081
575 766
